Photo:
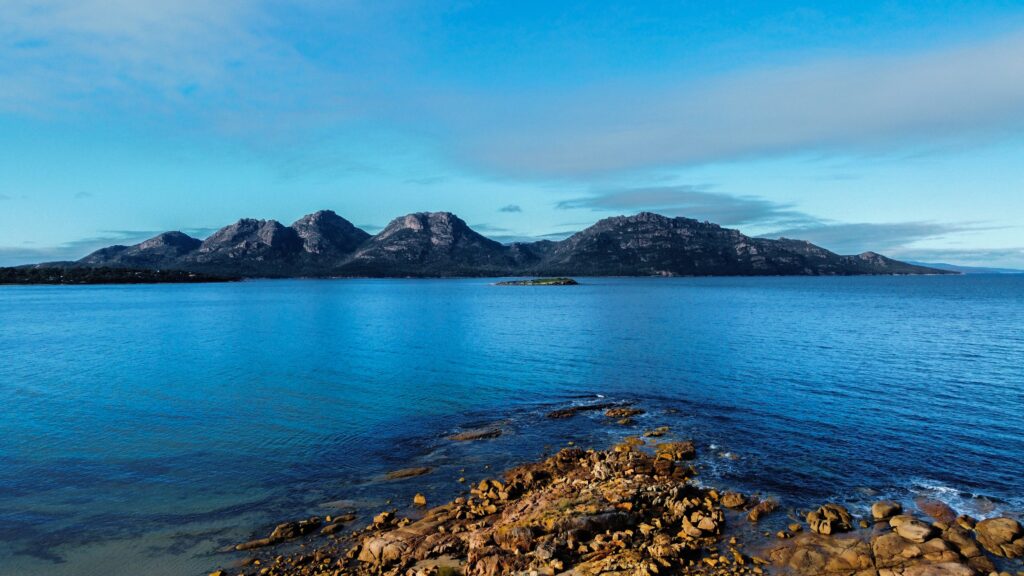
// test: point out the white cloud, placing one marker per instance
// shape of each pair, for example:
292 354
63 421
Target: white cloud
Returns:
887 237
697 202
945 96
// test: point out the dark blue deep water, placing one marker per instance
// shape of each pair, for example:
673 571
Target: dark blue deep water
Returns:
144 427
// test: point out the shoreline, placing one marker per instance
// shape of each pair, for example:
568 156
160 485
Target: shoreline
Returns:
100 276
637 507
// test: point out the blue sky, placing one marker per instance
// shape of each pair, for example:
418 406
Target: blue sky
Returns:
890 126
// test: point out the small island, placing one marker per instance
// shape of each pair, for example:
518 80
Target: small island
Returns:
540 282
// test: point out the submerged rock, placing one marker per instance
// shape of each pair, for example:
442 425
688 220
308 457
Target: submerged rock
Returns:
282 532
622 412
476 434
574 410
657 432
936 509
408 473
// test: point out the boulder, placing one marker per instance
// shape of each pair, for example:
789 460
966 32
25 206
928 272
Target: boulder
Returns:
282 532
942 569
885 509
384 549
289 530
734 500
911 528
684 450
892 551
961 540
1001 536
514 538
762 509
816 555
830 519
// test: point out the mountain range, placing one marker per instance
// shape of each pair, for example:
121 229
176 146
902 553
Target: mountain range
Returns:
440 244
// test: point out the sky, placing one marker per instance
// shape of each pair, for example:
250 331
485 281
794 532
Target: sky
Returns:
864 125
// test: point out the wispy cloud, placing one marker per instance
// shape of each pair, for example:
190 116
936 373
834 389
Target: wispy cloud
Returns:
1000 257
890 238
511 208
221 61
31 254
950 95
228 63
693 201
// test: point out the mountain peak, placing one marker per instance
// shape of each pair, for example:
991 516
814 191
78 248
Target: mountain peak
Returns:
171 239
325 233
430 243
320 216
443 225
161 248
248 238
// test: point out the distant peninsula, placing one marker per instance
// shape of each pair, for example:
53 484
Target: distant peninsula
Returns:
103 275
440 244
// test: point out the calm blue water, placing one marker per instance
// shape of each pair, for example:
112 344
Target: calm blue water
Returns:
144 427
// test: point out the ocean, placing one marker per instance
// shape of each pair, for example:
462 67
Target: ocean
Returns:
144 429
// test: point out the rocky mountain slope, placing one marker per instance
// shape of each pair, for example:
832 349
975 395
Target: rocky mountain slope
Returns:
429 244
155 252
439 244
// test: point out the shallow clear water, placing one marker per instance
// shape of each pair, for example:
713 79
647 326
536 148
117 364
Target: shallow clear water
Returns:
144 427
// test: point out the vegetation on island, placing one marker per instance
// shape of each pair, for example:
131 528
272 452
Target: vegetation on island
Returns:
541 282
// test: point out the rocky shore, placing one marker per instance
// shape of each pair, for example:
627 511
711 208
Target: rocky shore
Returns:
634 509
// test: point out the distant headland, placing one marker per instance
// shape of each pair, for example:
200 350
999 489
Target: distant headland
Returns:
103 275
440 244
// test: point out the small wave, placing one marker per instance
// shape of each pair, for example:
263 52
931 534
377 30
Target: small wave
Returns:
964 501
